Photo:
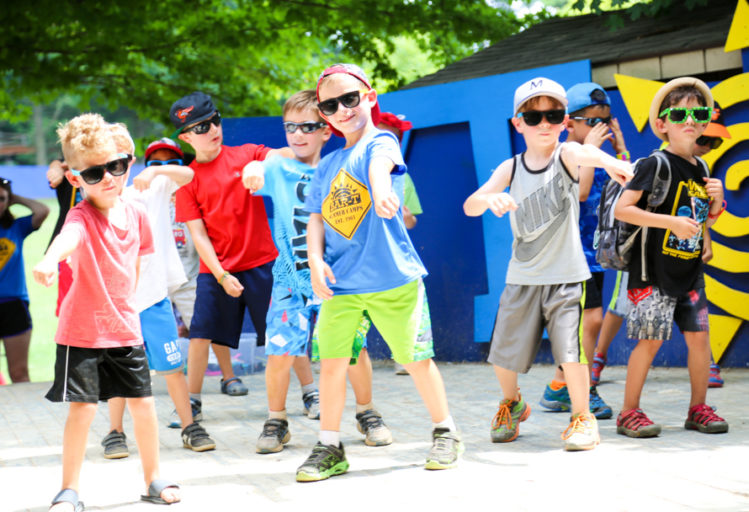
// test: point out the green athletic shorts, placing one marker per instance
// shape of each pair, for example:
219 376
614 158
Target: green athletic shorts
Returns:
397 314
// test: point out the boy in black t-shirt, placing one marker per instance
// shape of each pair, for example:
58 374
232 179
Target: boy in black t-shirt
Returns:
670 291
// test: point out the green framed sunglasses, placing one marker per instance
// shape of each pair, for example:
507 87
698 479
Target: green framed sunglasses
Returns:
679 115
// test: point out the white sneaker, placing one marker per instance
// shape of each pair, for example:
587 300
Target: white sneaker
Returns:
582 433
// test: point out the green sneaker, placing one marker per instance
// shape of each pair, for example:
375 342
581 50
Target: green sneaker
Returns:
324 461
446 448
505 422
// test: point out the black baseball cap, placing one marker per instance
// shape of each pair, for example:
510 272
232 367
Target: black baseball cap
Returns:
191 109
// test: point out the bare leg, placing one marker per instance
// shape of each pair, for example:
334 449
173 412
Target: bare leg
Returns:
80 416
508 382
637 371
116 408
197 362
17 353
223 356
332 392
610 326
698 362
303 370
429 383
592 321
143 412
577 376
360 377
176 385
277 373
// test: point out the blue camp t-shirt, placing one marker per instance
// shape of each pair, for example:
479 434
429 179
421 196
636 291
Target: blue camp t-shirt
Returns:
589 218
367 253
287 183
12 275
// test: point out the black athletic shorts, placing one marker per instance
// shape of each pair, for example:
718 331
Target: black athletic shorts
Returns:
93 374
594 291
14 317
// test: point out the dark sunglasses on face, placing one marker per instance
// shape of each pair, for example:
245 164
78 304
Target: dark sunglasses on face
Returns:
4 181
348 100
713 142
95 173
204 126
533 117
679 115
592 121
173 161
306 127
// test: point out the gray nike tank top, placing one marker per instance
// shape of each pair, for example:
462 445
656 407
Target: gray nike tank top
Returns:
546 247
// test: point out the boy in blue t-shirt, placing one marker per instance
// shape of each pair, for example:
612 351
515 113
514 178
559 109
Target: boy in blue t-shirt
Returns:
361 259
294 308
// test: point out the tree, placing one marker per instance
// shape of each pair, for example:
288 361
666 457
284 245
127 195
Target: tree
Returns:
249 54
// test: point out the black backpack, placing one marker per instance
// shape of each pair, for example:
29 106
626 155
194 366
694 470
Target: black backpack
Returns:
614 239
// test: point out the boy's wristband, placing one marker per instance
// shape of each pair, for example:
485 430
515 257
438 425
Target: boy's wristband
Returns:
223 276
624 155
722 209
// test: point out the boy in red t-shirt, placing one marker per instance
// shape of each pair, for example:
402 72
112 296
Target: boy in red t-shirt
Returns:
100 351
231 234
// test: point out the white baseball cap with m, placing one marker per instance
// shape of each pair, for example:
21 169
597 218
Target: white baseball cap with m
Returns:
539 86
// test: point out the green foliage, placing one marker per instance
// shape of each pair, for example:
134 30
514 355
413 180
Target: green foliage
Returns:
248 54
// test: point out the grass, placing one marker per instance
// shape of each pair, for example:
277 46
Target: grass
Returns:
42 300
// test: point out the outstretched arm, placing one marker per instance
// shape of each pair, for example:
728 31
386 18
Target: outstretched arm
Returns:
385 199
179 174
61 247
491 195
575 155
253 176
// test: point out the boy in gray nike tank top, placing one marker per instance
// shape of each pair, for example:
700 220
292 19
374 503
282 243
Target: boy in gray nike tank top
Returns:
547 269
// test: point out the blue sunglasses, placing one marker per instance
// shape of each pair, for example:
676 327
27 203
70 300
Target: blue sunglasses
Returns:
173 161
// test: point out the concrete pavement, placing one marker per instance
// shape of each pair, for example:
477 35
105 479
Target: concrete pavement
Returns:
680 470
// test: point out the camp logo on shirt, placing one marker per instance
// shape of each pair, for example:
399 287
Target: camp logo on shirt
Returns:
346 204
7 248
691 201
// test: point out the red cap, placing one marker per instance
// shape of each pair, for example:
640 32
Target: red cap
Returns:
163 143
398 122
356 72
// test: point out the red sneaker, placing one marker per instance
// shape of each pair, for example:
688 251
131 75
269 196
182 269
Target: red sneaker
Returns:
634 423
702 417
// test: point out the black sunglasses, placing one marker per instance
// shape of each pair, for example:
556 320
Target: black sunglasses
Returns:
95 173
592 121
306 127
533 117
4 181
713 142
173 161
348 100
204 126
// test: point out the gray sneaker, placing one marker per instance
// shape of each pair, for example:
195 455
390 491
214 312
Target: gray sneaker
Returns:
197 414
312 404
371 425
115 446
446 448
275 434
196 438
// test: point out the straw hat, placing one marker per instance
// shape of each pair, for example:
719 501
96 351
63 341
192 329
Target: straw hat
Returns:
685 81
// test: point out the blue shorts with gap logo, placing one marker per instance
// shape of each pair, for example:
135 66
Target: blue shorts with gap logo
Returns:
160 336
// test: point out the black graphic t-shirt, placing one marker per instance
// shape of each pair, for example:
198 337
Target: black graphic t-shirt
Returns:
673 265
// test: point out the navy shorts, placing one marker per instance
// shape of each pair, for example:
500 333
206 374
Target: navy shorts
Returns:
594 291
218 316
14 317
92 374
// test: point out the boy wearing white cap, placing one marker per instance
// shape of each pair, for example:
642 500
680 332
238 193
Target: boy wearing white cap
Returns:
546 275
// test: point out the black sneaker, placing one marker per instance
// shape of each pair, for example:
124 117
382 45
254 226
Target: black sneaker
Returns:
275 434
115 446
370 424
446 448
324 461
196 438
311 401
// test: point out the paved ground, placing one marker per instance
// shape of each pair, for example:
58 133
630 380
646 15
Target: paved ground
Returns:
680 470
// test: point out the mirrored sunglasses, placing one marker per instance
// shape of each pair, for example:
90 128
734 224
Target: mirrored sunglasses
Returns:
204 126
173 161
95 173
679 115
348 100
306 127
534 117
592 121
